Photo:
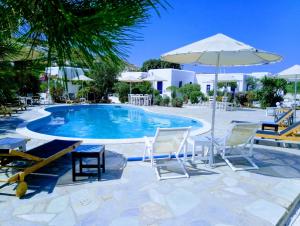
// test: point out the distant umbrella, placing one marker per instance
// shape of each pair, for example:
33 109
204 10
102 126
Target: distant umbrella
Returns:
292 74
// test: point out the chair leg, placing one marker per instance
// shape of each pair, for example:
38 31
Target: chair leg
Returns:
182 167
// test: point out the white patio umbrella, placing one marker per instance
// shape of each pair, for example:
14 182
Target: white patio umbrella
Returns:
219 50
292 74
130 79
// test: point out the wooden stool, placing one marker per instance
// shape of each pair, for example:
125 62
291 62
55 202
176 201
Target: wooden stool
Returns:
88 151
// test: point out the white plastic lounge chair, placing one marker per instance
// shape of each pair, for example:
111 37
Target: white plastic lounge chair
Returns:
238 143
166 142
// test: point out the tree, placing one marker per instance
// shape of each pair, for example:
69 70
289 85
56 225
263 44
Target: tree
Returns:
84 30
173 90
105 76
272 91
122 88
291 87
252 83
157 64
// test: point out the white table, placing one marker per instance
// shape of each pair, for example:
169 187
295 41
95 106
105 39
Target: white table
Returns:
13 143
26 100
204 143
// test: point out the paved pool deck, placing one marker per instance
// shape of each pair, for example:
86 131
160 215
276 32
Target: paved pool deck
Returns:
130 194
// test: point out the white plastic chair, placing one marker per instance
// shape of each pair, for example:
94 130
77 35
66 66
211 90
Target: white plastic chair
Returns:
239 138
167 141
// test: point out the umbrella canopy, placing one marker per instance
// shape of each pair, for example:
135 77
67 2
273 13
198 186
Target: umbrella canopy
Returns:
219 50
291 73
229 51
82 78
131 78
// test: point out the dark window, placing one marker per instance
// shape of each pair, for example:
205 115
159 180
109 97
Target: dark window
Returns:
160 86
207 88
180 84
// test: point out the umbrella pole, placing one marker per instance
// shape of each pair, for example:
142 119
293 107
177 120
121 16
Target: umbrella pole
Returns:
211 159
295 99
129 87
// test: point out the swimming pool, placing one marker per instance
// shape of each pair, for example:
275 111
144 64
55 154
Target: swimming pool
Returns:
105 122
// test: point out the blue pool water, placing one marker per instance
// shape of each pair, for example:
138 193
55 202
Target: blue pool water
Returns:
106 122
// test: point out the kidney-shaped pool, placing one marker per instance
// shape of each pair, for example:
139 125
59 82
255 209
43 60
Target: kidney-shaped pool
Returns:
106 122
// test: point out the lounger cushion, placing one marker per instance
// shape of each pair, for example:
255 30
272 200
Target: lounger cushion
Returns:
51 148
267 132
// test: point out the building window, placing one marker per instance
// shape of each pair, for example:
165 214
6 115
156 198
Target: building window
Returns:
180 84
191 83
207 88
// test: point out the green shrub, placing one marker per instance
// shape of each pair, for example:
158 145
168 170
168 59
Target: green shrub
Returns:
57 93
173 90
251 96
83 92
157 100
166 100
122 88
204 98
219 93
241 98
194 97
177 102
271 91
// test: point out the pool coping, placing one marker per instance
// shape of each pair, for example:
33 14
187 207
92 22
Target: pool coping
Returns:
23 130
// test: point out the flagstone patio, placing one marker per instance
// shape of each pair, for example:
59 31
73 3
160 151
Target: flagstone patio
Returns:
130 194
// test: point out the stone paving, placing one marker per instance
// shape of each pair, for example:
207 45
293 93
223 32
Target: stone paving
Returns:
130 194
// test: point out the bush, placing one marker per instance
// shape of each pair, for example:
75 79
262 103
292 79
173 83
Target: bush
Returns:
57 93
211 93
83 92
142 88
241 98
204 98
191 92
194 97
157 100
219 98
272 91
122 88
251 96
177 102
165 100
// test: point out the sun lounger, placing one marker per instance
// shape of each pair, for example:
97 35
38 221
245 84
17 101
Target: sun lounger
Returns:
285 119
292 133
37 158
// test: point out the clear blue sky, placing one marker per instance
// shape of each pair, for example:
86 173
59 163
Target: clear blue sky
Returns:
270 25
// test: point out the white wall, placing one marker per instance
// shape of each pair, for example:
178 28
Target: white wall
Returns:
204 79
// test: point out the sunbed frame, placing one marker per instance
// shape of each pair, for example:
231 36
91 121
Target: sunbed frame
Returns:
38 157
292 133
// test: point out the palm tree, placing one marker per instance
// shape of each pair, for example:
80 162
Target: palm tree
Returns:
76 29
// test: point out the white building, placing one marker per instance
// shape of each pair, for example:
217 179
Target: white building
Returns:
206 81
163 78
170 77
